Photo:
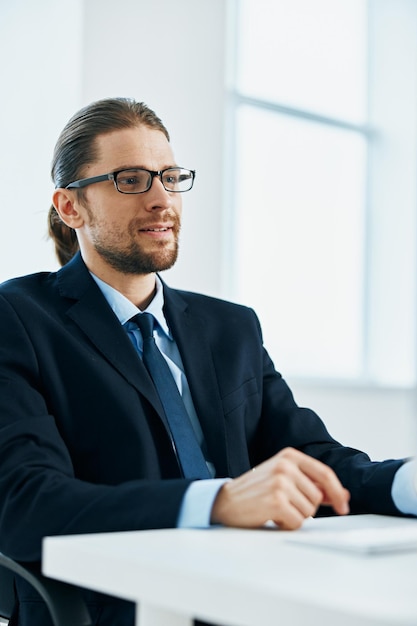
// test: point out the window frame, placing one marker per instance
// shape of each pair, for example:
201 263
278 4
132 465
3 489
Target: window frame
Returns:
389 304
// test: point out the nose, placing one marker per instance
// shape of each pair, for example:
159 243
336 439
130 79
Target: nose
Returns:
157 197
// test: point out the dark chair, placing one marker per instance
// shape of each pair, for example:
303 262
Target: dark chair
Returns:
65 603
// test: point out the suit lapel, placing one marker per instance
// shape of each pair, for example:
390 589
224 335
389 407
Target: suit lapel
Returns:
189 333
92 314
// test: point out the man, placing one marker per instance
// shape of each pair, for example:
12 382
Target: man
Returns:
86 441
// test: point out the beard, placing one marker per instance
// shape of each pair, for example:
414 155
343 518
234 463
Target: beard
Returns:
132 259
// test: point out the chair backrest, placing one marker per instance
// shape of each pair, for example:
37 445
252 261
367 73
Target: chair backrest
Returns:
65 602
7 598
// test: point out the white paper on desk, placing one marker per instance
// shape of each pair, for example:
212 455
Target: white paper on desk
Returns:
362 540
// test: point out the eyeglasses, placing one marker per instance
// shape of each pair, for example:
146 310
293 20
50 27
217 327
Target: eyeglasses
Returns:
139 180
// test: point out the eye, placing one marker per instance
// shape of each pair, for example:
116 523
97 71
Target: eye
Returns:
171 179
128 180
178 179
131 181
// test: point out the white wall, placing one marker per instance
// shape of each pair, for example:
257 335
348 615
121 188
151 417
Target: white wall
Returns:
40 51
58 56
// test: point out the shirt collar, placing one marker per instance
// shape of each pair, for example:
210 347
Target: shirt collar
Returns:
124 309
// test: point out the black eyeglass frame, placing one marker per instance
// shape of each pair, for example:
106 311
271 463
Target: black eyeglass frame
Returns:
84 182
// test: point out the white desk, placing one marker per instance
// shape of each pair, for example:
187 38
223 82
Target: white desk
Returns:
242 578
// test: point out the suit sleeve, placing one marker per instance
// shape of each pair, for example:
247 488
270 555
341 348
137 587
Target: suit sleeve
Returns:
283 423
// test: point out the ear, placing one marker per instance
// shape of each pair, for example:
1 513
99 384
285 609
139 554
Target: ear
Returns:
66 205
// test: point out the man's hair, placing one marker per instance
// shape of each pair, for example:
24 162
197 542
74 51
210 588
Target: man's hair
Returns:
76 147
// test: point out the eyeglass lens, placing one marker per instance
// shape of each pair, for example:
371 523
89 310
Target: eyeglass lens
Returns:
138 180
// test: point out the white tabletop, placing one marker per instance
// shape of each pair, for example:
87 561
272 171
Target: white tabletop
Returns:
244 577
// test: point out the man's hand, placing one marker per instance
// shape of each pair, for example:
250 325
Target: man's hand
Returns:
287 489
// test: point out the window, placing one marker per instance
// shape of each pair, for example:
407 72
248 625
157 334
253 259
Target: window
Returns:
305 224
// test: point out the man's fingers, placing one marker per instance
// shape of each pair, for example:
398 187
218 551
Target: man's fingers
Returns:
286 488
334 494
305 505
342 507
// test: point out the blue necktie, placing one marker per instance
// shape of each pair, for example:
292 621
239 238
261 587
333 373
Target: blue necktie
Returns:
188 450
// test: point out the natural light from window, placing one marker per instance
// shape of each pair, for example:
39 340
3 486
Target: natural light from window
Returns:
300 179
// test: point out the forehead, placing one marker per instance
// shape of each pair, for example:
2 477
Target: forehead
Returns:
137 146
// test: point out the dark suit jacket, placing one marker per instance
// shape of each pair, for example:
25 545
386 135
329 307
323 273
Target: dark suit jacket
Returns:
83 444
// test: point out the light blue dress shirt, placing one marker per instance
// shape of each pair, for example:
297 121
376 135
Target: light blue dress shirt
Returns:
404 488
199 497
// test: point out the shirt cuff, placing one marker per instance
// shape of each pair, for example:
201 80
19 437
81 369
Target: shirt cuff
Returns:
404 488
197 503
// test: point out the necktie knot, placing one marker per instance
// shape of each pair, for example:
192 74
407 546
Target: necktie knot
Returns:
145 322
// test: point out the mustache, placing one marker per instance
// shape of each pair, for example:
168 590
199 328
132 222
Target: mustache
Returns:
167 218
